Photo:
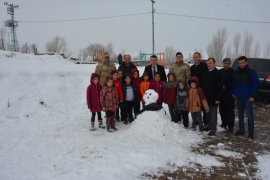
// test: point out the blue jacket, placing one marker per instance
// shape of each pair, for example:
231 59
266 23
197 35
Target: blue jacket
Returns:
135 92
245 83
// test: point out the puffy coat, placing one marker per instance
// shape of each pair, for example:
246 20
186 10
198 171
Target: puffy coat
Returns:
181 71
109 98
195 98
159 87
104 71
92 95
246 83
118 87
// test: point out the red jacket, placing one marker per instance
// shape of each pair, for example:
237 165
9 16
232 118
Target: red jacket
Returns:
118 86
159 87
93 94
170 97
136 81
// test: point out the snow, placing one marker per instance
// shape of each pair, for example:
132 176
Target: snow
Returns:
44 128
264 164
150 96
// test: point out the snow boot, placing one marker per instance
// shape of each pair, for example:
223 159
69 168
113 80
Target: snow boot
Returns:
109 126
113 125
92 126
100 124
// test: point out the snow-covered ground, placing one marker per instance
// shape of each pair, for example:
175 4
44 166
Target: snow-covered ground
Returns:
44 128
264 164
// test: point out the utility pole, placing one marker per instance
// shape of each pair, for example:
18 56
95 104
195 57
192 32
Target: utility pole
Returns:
12 25
153 27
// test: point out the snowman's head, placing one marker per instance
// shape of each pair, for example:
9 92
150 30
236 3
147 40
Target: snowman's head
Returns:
150 96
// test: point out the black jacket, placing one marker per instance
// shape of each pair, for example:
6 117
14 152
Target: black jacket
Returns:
160 69
126 69
212 86
227 82
198 70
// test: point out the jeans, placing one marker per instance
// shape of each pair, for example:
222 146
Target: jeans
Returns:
242 105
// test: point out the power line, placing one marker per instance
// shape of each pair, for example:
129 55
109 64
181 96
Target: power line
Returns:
84 19
211 18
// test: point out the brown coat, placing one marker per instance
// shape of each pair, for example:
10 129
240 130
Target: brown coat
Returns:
195 100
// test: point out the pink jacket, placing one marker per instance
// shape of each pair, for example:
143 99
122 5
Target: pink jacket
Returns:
92 95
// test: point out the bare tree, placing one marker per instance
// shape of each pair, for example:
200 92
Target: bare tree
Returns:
229 53
95 50
236 45
216 48
25 49
57 45
267 51
256 52
169 54
3 35
247 44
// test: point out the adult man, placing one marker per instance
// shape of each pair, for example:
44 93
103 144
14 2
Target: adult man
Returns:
127 65
226 106
105 68
244 90
212 86
180 69
155 67
198 68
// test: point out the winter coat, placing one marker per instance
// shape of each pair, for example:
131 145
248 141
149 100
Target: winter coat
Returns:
136 81
104 71
198 71
246 83
195 98
126 69
181 99
159 87
212 86
118 87
160 69
135 93
109 98
181 71
92 95
144 86
171 92
227 82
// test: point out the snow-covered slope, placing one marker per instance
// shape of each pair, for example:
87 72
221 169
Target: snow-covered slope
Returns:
44 128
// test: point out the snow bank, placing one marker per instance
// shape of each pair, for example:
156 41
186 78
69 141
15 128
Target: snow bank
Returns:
44 128
264 164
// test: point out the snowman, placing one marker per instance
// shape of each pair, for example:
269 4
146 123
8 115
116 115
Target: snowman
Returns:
150 98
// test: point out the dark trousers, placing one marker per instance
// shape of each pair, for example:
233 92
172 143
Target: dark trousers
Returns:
94 116
212 118
226 110
110 115
242 105
197 119
183 115
126 111
137 107
172 113
117 114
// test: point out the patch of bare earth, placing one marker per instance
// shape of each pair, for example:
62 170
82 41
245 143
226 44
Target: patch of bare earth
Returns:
238 154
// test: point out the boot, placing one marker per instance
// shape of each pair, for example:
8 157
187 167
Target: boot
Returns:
113 125
92 126
100 124
239 133
109 125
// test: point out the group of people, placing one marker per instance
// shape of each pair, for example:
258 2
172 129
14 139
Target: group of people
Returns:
200 89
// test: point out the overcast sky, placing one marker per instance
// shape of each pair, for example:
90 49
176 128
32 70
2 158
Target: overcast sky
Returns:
134 33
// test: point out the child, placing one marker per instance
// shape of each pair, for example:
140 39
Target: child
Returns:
159 86
130 98
118 86
144 86
136 81
195 101
182 112
109 103
93 101
170 96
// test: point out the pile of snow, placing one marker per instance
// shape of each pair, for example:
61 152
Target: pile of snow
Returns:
264 164
44 128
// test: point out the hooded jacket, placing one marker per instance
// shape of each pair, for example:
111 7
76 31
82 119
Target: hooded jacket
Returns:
171 91
195 97
159 87
92 95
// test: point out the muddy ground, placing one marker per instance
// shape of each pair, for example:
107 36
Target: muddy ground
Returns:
241 166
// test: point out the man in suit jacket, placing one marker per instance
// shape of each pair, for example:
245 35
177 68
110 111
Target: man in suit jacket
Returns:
154 67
